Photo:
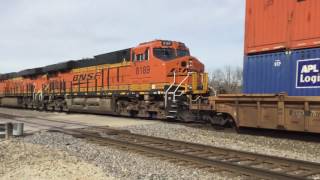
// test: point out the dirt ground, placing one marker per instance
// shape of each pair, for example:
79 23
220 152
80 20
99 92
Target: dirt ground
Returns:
23 161
35 121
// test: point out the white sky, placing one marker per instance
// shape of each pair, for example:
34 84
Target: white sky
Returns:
42 32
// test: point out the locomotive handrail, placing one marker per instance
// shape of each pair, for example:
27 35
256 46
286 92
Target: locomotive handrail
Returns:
33 96
174 93
167 91
181 93
195 100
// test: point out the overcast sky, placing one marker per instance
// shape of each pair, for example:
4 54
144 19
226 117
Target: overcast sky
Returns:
42 32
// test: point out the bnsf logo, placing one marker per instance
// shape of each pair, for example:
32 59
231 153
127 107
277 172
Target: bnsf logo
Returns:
88 76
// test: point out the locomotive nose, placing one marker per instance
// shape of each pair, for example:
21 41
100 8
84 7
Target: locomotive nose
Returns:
193 64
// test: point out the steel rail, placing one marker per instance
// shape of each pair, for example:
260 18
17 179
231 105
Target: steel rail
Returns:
293 162
201 161
149 144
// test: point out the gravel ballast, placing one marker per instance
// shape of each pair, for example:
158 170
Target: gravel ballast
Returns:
21 160
120 164
295 149
125 164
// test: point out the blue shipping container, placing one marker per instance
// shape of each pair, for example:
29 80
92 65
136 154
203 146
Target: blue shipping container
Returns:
296 73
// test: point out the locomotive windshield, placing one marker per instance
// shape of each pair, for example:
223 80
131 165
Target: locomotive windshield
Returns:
164 53
169 53
182 52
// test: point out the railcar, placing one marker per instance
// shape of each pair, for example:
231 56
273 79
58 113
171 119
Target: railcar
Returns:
156 79
262 111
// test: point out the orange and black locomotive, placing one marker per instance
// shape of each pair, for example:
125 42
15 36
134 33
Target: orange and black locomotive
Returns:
156 79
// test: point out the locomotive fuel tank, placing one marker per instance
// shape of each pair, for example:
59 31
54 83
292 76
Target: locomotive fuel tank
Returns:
93 105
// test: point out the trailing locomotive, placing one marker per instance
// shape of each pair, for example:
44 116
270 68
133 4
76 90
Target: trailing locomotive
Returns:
157 79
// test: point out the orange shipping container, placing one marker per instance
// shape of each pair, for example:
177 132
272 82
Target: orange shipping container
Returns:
281 24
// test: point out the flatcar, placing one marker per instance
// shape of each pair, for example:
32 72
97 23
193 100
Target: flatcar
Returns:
156 79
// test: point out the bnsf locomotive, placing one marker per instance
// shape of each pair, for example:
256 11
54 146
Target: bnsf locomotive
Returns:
157 79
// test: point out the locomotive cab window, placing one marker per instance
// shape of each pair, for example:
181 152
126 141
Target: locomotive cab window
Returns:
164 53
182 52
141 57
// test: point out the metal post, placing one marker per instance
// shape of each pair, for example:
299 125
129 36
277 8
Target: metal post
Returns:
18 130
9 130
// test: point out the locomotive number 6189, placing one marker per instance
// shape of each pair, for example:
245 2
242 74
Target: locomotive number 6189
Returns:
143 70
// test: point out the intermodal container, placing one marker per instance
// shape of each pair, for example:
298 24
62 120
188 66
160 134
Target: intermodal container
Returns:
305 30
275 25
296 73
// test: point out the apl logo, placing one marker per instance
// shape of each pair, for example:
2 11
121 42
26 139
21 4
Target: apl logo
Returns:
308 74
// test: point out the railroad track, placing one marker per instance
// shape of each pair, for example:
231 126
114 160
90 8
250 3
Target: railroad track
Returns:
212 159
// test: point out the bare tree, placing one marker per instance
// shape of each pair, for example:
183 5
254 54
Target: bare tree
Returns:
226 80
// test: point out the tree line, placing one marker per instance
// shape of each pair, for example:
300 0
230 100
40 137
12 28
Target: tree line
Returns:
226 80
